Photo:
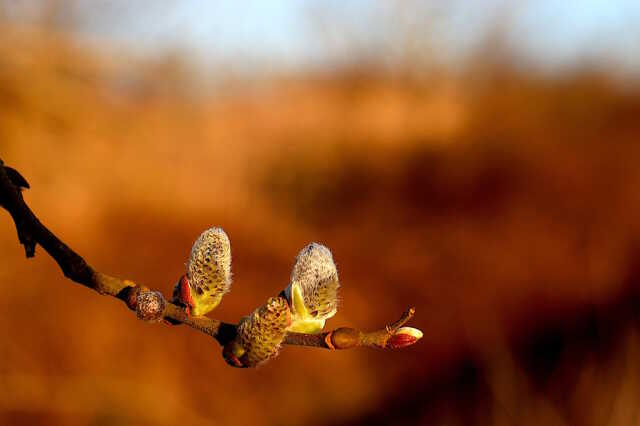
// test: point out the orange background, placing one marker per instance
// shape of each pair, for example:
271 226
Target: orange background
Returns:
502 205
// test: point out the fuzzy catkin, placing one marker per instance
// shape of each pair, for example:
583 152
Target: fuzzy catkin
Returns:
315 273
261 333
209 270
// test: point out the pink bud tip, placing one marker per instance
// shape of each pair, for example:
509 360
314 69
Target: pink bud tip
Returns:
405 336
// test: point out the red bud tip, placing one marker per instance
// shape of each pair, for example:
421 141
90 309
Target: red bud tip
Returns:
185 291
403 337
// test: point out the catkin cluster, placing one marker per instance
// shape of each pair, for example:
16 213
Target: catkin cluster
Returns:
308 301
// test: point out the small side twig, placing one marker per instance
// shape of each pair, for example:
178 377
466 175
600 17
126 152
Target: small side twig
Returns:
347 338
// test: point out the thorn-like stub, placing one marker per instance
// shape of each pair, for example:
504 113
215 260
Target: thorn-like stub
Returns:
150 306
16 178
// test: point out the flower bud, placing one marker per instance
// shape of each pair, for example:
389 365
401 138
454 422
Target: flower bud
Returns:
208 274
313 291
150 306
404 336
259 335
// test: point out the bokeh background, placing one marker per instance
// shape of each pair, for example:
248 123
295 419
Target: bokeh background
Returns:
477 160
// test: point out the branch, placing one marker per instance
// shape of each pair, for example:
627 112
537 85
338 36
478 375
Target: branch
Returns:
391 337
151 305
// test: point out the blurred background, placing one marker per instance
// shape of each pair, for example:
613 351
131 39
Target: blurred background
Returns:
477 160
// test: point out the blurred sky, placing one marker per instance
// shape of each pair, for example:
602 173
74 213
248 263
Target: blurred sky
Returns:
554 35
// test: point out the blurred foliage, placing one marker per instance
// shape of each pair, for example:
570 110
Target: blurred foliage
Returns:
504 207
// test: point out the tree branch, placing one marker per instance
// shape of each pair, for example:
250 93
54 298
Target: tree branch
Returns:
151 305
